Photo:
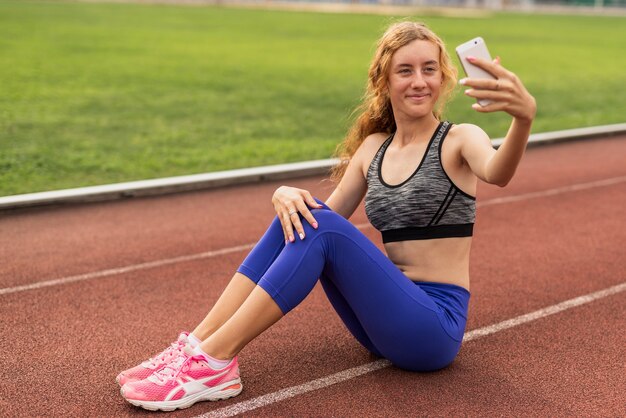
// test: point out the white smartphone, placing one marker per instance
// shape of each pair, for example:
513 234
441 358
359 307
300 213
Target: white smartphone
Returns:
475 48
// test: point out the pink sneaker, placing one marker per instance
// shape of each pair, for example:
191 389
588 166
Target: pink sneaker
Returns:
154 364
186 380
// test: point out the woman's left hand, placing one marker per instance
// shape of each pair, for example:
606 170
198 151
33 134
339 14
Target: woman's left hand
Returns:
506 92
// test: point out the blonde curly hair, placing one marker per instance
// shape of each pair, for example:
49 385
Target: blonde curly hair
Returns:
376 113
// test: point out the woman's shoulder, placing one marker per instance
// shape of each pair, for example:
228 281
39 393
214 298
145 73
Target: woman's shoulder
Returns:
376 138
368 149
467 130
467 134
371 144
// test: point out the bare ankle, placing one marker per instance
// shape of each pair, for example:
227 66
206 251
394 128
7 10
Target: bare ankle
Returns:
203 332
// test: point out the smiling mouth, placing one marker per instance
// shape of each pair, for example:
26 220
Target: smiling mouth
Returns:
418 96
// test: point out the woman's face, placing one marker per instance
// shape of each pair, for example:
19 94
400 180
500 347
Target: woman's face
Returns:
414 80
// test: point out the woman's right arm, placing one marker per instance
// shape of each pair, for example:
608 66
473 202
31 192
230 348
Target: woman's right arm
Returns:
350 191
344 199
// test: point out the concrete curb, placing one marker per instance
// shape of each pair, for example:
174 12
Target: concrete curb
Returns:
243 176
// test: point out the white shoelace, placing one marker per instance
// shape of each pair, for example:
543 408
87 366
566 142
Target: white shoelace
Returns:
174 367
173 350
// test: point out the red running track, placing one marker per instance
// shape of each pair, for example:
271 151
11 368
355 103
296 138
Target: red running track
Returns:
131 274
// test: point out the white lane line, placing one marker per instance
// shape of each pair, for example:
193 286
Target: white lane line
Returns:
552 192
270 398
127 269
542 313
209 254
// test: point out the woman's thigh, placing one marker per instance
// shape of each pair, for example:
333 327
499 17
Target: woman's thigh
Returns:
399 318
385 311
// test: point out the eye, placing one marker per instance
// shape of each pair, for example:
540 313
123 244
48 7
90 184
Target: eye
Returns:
430 69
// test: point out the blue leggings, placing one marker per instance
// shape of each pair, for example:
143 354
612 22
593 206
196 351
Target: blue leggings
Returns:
418 326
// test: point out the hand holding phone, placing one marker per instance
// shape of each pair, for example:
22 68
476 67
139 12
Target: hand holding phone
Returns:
475 48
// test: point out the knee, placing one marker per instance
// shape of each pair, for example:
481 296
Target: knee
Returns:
321 202
327 219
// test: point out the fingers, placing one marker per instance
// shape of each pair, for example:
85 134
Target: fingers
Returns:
503 77
491 107
492 67
513 100
294 219
300 208
289 204
493 95
310 200
496 91
292 225
306 214
500 100
484 83
285 223
507 93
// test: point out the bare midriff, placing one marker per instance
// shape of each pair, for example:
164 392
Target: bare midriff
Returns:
444 260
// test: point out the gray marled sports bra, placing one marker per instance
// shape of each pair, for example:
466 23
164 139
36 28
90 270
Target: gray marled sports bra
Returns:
427 205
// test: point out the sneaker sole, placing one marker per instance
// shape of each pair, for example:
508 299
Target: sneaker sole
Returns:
224 391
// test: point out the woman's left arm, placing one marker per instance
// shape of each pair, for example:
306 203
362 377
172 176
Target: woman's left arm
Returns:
508 94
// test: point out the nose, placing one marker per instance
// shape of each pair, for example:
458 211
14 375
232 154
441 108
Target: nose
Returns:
418 82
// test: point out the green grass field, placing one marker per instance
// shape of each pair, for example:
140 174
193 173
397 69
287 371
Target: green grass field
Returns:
100 93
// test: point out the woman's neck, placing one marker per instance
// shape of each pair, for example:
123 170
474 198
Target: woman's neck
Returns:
415 130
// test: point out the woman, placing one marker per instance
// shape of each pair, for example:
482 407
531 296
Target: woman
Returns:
418 175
